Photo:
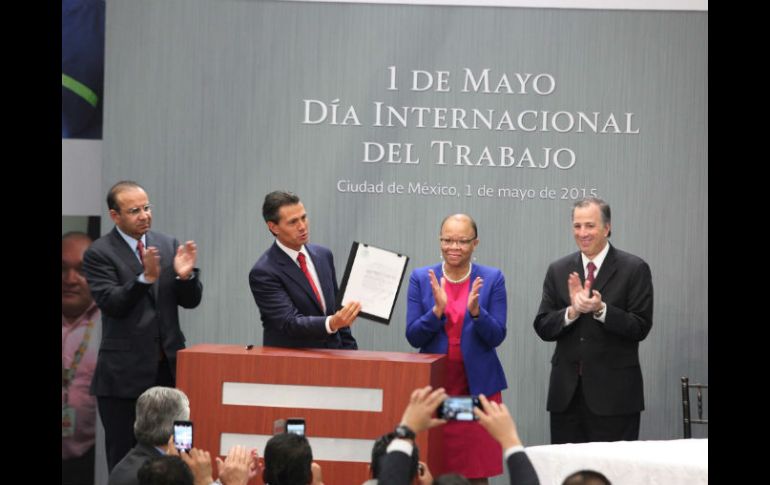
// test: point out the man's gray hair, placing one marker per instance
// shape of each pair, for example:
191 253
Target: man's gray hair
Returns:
156 410
604 209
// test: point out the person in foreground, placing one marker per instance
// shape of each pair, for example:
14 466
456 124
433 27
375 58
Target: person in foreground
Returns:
493 417
419 473
156 410
289 461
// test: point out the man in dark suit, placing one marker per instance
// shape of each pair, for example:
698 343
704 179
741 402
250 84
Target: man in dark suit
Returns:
138 278
295 286
595 391
156 410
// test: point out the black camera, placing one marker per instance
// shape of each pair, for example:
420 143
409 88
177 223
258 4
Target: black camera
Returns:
295 426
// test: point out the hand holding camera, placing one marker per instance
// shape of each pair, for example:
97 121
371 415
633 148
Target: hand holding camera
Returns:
422 403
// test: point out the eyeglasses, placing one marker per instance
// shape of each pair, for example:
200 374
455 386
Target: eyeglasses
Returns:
463 243
134 211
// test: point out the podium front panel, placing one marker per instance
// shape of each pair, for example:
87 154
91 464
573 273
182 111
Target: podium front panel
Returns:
348 399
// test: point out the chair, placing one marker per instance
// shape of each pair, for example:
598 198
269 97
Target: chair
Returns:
686 405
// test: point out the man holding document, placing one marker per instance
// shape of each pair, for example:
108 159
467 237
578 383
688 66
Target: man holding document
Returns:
295 285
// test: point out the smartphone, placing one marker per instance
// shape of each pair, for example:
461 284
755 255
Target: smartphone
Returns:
459 408
183 435
296 426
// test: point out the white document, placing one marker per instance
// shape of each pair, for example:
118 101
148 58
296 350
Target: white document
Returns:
373 277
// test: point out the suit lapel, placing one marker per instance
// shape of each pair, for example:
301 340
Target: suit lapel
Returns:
327 286
149 241
474 274
609 266
127 255
293 271
124 252
439 271
575 265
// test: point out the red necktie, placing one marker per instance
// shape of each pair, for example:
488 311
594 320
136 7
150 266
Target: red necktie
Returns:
140 249
591 268
303 266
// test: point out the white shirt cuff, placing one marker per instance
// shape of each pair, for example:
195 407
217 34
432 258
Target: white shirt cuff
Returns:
567 321
604 313
404 446
142 279
513 449
329 325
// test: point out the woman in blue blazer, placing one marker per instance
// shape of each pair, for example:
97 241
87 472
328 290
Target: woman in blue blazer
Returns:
459 308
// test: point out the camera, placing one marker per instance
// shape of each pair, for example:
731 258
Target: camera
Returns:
289 425
183 435
458 408
295 426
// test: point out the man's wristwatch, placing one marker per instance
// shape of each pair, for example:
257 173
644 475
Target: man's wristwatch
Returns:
403 432
598 313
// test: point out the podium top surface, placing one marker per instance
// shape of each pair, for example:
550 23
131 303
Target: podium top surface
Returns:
368 355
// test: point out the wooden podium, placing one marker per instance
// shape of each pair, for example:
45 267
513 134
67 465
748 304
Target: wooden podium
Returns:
208 374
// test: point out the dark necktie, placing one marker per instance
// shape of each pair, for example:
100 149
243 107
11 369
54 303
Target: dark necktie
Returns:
140 250
303 266
591 268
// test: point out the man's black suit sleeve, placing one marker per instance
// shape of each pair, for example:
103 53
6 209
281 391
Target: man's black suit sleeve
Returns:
278 310
190 291
635 321
520 470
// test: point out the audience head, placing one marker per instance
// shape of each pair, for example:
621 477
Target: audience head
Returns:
156 410
130 209
458 238
586 477
460 218
591 225
273 203
75 295
288 460
165 470
286 219
380 448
